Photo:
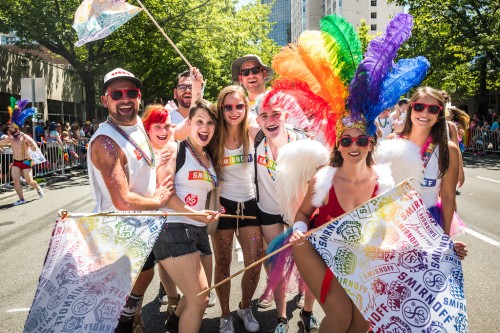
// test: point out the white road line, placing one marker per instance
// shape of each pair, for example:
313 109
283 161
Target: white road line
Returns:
491 180
18 310
482 237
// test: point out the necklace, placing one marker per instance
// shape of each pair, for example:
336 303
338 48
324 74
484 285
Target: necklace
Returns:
213 178
267 157
149 161
235 144
380 123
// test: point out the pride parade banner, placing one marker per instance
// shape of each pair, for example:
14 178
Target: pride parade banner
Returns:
97 19
89 270
397 265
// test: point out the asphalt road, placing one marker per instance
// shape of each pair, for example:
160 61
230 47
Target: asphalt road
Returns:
25 232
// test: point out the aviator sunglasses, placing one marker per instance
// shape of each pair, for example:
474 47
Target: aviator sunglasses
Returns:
116 95
229 107
254 70
361 141
419 107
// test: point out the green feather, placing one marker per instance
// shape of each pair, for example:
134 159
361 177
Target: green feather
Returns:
342 45
13 102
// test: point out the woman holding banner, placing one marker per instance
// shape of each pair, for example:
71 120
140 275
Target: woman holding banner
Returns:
183 248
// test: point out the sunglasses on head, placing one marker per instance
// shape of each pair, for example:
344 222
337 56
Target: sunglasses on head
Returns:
184 87
254 70
116 95
229 107
432 108
361 141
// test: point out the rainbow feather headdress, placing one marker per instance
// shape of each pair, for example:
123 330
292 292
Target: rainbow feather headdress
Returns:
18 112
336 86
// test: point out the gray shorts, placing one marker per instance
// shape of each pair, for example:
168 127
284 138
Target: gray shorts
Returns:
179 239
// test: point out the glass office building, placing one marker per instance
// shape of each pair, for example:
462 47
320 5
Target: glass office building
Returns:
281 14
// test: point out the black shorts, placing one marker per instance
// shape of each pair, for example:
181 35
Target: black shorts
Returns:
269 219
179 239
230 207
150 262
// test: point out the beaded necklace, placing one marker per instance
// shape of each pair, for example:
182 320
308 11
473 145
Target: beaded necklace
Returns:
427 150
215 181
267 157
149 161
380 123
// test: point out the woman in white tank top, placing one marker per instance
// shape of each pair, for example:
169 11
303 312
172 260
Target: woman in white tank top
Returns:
233 158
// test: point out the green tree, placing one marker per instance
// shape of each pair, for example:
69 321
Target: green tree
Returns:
461 39
363 34
210 34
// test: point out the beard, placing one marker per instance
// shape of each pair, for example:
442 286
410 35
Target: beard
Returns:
124 116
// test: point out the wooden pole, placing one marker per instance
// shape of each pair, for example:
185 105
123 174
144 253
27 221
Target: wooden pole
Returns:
63 213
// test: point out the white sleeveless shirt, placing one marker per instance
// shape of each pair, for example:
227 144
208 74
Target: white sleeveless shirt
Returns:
192 185
140 176
238 173
431 184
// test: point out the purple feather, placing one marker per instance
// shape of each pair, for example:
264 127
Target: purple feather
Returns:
376 64
21 104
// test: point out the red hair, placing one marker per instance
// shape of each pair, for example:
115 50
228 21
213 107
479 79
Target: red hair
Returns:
154 113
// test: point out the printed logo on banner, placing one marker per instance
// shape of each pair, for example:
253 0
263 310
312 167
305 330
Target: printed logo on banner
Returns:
456 281
397 293
435 280
344 261
350 231
107 310
68 275
379 287
435 327
72 324
57 298
416 312
395 325
461 324
413 260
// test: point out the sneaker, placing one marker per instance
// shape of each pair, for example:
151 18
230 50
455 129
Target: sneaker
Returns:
226 324
9 186
19 202
251 324
281 328
172 304
266 299
212 298
300 300
40 193
162 295
172 323
310 323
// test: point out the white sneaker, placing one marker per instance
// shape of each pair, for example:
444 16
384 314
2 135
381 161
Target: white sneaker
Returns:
226 324
251 324
40 193
212 298
19 202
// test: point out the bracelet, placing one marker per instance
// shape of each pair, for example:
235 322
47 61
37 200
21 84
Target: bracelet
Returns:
300 225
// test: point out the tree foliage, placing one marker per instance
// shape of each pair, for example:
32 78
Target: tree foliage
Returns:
461 39
210 34
363 34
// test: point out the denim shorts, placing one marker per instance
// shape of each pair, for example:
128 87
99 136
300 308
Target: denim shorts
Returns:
150 262
230 207
179 239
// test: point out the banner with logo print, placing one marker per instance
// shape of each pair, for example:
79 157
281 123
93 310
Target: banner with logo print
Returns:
397 265
90 268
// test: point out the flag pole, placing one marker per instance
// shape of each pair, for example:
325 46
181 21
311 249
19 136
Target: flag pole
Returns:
63 214
286 246
164 34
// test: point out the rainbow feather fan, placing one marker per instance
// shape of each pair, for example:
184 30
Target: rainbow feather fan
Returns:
19 114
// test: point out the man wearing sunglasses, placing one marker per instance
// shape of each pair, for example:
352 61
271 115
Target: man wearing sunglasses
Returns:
122 169
252 74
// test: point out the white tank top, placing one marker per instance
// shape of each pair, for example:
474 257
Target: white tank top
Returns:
192 185
140 176
385 126
237 175
431 184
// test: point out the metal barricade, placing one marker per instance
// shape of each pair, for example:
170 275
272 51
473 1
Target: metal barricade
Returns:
484 141
60 159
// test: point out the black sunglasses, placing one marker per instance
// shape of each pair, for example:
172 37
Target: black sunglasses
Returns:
419 107
184 87
254 70
116 95
229 107
361 141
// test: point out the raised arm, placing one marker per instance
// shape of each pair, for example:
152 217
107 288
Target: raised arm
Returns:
306 209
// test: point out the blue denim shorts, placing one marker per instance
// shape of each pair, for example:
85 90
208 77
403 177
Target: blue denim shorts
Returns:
179 239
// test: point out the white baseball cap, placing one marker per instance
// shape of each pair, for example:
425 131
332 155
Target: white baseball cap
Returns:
119 74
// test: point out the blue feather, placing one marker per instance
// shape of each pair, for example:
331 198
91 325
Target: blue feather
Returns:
278 242
406 74
18 117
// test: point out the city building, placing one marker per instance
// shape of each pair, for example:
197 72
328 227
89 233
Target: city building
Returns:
376 13
8 39
281 15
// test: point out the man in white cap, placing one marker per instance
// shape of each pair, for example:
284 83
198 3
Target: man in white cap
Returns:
122 169
250 72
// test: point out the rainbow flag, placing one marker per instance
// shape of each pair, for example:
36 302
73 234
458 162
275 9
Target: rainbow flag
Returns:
97 19
396 265
90 268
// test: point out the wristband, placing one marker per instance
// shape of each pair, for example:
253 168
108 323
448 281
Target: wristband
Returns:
300 225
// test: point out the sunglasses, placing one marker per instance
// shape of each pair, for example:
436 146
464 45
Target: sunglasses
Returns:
184 87
116 95
229 107
432 108
361 141
254 70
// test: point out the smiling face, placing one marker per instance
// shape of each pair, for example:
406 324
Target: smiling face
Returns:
354 153
202 127
123 111
253 82
160 133
233 109
183 97
271 121
425 119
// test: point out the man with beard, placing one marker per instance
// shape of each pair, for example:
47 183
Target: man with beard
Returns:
122 169
252 74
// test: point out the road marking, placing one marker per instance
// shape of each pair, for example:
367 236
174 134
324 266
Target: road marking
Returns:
482 237
491 180
18 310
